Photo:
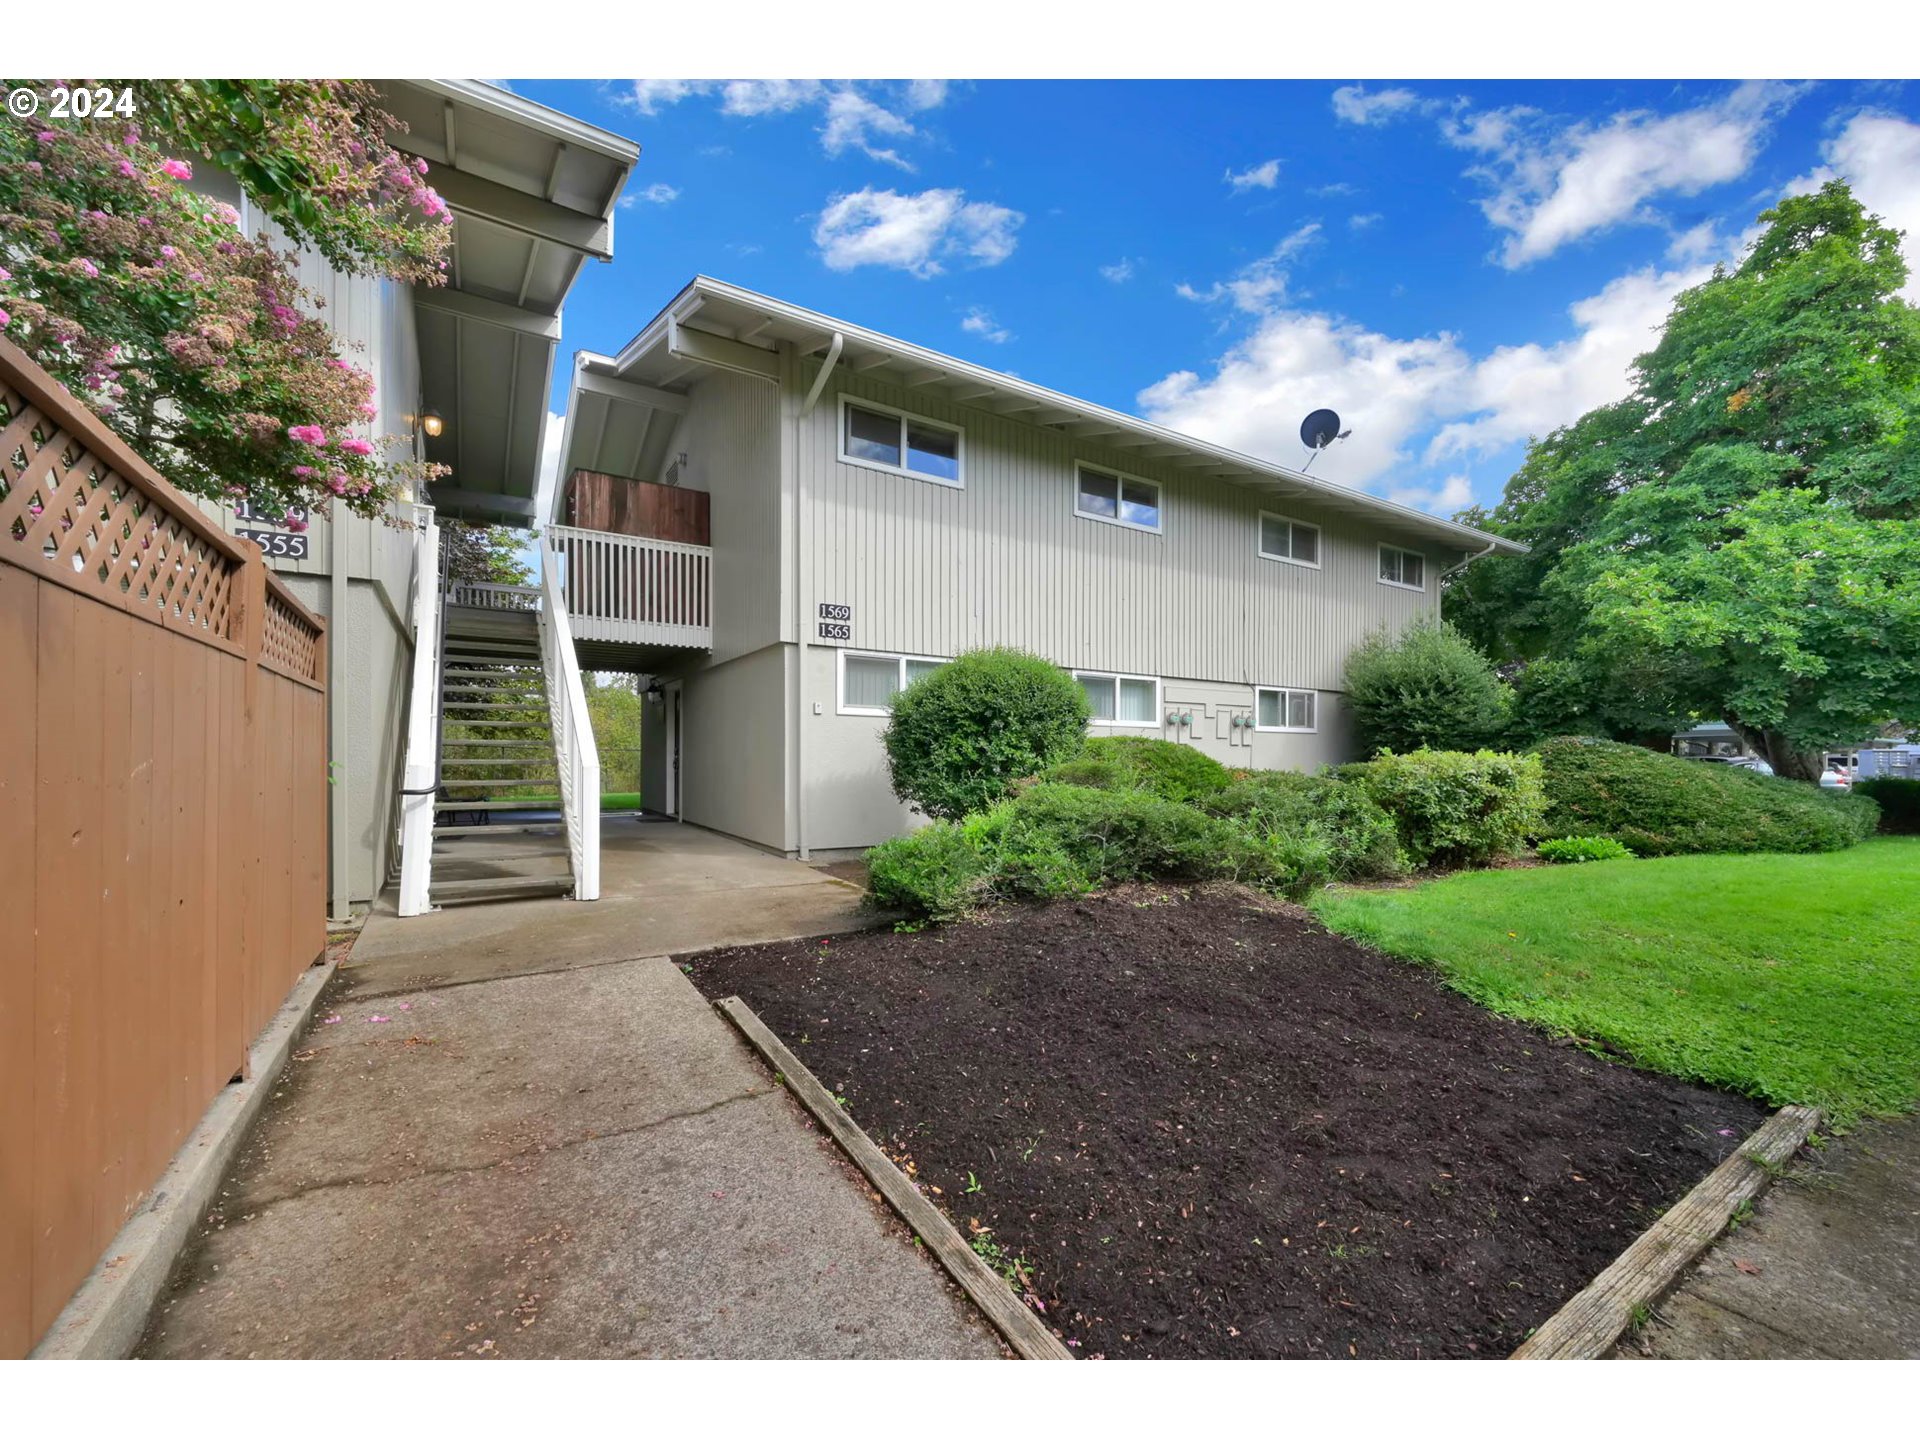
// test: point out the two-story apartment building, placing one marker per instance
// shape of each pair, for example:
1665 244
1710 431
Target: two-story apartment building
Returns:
877 507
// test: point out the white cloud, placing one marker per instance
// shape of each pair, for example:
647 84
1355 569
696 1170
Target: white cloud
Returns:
1119 272
1357 105
1451 494
1420 407
1879 156
658 193
851 118
1550 187
1363 222
852 122
979 321
1697 242
1263 176
1520 391
914 233
1261 286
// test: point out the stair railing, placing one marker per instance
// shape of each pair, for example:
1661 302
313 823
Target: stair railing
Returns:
420 777
577 757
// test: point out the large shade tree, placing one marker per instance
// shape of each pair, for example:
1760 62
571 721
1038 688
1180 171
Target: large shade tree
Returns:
1740 536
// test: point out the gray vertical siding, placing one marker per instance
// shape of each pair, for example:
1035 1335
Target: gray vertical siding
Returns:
936 570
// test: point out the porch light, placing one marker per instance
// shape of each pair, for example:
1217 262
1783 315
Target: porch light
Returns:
431 422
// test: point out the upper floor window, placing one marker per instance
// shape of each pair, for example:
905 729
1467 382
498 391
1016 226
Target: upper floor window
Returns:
889 439
1293 541
1284 709
1121 699
1405 568
870 680
1117 499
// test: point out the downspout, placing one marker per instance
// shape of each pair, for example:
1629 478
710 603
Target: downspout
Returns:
801 577
1476 555
340 776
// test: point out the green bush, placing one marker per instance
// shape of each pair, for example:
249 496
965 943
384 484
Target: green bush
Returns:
935 872
961 736
1359 838
1426 688
1135 762
1578 849
1898 799
1455 808
1658 804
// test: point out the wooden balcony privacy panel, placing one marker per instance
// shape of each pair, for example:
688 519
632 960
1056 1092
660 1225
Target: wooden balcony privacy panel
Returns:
163 828
639 507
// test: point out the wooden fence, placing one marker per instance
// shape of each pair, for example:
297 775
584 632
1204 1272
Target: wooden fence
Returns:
163 829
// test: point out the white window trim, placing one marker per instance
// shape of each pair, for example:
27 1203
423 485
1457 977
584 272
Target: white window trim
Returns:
1158 720
840 677
1260 540
1425 565
1283 691
959 482
1159 504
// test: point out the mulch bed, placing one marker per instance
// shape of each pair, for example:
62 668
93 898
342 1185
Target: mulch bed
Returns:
1211 1128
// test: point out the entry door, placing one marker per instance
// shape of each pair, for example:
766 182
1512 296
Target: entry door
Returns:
672 694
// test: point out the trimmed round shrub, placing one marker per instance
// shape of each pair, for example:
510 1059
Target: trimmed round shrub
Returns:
1898 799
1455 808
1425 688
961 735
1658 804
1359 838
934 873
1138 762
1579 849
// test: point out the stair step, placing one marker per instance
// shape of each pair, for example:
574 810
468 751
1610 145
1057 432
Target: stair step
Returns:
538 692
464 740
515 887
500 672
486 804
525 828
502 725
488 705
465 760
495 784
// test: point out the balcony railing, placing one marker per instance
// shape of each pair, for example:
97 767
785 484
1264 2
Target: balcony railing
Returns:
485 595
628 590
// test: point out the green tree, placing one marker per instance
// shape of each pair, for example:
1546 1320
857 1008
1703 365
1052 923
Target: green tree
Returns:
485 554
1425 688
1740 536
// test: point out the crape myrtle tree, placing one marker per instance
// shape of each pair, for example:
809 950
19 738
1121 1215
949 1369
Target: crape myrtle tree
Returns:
192 340
1740 536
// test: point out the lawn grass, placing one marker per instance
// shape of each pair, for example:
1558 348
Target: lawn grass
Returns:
1793 978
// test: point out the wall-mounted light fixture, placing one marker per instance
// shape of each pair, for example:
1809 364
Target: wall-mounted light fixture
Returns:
431 422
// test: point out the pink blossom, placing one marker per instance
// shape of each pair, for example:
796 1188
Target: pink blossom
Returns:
167 252
353 444
129 169
305 472
337 484
370 410
5 319
331 1020
178 169
5 274
47 137
421 166
378 1019
293 522
307 434
93 270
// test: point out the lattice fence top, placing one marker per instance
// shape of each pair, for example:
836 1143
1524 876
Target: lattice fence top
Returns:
288 641
69 516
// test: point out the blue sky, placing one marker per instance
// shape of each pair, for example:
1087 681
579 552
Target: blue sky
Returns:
1452 266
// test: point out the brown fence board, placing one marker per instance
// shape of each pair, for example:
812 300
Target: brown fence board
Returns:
162 827
19 730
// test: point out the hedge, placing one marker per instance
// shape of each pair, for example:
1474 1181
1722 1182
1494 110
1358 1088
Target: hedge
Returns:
1136 762
1452 807
1898 799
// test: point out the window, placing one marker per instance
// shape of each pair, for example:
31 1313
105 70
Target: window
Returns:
1285 709
887 439
1294 541
1117 499
1405 568
1121 699
868 682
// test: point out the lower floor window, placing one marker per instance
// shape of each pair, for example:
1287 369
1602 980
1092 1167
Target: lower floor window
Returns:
1284 709
868 682
1121 699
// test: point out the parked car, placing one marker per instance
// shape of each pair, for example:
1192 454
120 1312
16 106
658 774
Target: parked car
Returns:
1751 762
1835 777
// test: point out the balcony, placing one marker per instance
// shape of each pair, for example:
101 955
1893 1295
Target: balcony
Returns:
637 594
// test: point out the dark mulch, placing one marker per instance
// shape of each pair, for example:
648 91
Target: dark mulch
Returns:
1212 1128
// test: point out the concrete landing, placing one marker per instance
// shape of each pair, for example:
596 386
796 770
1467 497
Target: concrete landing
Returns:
581 1164
1828 1267
665 889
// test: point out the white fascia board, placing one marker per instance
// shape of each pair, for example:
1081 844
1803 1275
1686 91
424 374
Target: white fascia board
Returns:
532 115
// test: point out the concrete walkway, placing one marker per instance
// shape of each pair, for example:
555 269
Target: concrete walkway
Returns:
1827 1268
577 1160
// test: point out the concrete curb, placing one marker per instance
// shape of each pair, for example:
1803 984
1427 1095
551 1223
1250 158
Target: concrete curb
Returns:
109 1312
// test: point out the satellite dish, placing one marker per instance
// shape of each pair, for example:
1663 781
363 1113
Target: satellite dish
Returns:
1320 429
